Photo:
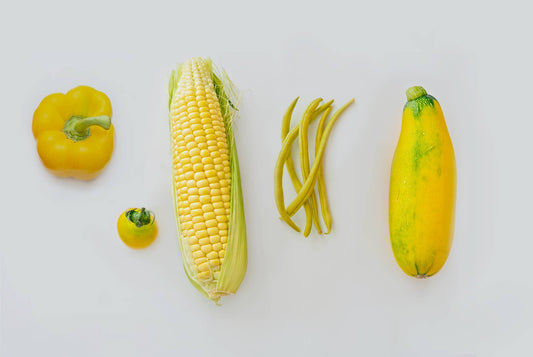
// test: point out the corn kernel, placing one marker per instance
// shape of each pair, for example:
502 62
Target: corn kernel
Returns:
195 205
202 234
197 212
199 226
212 255
194 152
211 173
204 275
199 176
198 254
203 241
201 260
208 207
211 223
195 247
204 191
203 266
202 183
192 191
208 216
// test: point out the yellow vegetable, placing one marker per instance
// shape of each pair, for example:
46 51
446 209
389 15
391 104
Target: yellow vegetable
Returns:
321 184
137 227
311 175
310 213
422 188
206 179
309 184
303 127
74 133
285 127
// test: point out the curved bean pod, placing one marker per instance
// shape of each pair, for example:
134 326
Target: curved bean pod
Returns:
308 185
322 193
285 127
304 157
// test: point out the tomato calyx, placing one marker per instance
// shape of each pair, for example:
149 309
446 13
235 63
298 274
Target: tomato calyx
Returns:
140 217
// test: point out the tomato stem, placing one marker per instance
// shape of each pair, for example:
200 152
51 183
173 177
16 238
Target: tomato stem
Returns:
78 128
140 217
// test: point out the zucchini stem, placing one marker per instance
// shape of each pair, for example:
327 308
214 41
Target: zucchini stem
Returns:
415 92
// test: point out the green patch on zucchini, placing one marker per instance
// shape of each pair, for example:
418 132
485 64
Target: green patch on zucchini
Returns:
419 104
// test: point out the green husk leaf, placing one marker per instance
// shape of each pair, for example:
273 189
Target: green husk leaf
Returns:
235 258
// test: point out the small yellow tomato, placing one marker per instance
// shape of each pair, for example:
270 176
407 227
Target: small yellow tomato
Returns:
137 227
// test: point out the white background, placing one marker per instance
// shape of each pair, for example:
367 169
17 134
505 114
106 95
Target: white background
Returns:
70 287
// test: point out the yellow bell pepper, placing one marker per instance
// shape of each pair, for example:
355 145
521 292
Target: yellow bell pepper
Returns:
137 227
74 133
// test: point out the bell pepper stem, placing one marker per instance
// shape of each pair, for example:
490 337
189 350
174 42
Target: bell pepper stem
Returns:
78 128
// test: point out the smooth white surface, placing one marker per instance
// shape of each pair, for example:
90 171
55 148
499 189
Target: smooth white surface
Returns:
69 287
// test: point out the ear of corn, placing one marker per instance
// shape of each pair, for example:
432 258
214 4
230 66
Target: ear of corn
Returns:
207 188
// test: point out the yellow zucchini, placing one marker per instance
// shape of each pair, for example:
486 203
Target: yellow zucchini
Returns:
422 188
